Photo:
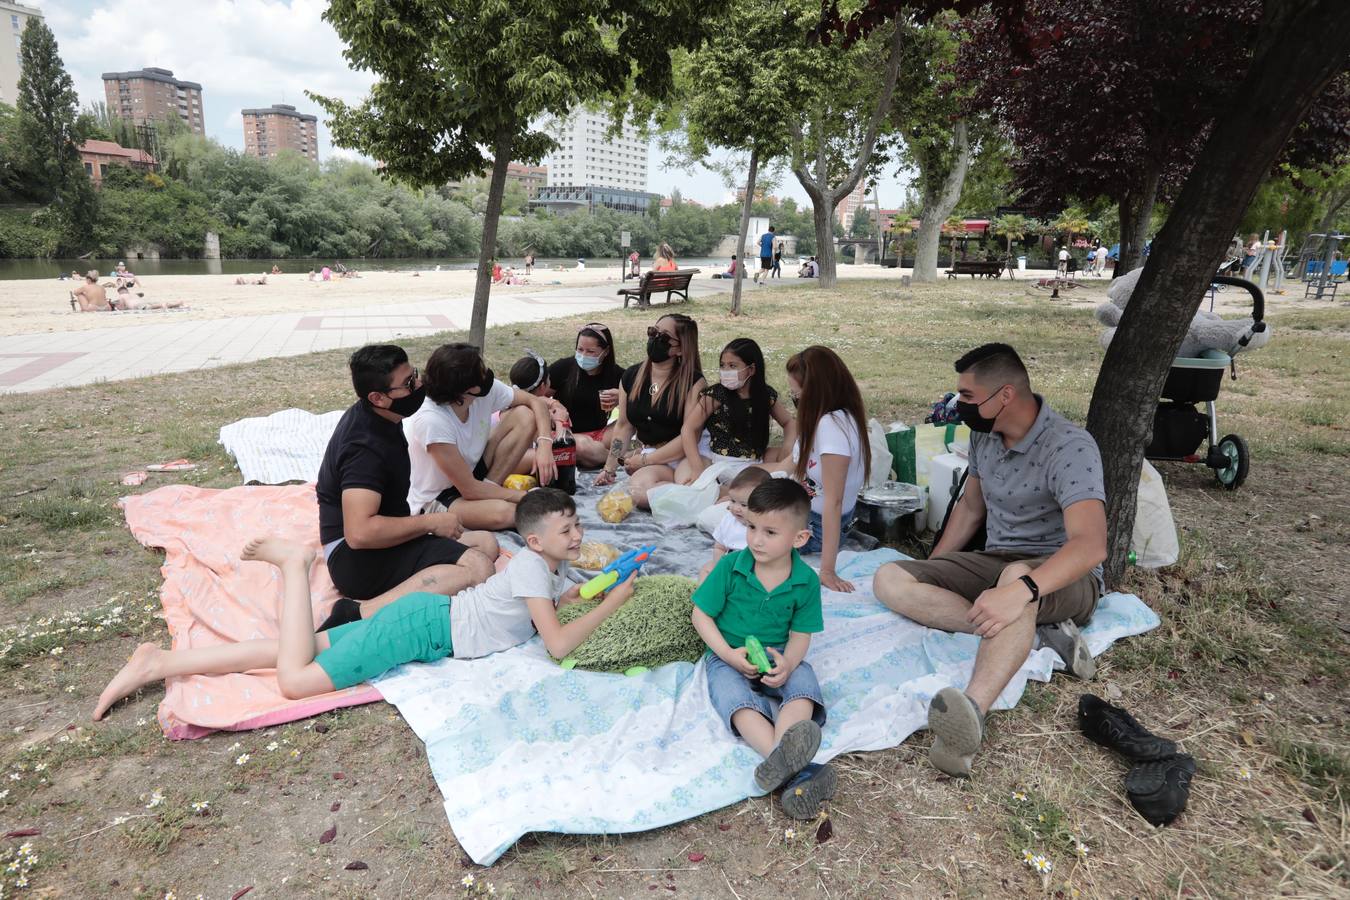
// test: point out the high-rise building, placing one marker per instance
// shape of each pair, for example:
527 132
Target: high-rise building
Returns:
15 20
154 95
849 206
587 157
279 127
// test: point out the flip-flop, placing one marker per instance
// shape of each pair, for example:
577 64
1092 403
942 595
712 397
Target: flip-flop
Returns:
178 465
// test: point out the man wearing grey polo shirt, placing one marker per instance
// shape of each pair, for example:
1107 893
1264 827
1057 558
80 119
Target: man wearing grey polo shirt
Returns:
1035 483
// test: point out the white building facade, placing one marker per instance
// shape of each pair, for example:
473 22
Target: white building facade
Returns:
14 21
588 156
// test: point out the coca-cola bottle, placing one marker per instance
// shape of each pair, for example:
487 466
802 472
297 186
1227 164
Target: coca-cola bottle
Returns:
565 458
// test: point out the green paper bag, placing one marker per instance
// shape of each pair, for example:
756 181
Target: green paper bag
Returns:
901 444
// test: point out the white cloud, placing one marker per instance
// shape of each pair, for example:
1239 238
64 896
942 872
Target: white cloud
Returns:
246 53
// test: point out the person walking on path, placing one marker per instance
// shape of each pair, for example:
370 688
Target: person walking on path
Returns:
765 254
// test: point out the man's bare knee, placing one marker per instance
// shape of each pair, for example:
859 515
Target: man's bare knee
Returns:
485 542
891 582
477 565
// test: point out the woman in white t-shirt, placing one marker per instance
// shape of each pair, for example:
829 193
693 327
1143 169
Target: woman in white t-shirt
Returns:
459 457
832 456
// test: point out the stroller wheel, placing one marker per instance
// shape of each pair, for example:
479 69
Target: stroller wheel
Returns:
1233 449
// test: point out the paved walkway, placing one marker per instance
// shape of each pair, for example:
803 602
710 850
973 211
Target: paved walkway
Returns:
35 362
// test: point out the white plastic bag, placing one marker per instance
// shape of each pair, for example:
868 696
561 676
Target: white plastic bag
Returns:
881 454
1154 541
674 505
710 518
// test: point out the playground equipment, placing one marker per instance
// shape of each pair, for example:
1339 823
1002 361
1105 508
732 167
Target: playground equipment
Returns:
1319 266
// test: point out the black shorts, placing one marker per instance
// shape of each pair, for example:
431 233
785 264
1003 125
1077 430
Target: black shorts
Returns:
363 574
766 262
451 494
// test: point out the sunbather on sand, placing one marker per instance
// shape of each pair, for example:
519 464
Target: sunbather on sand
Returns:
91 296
125 300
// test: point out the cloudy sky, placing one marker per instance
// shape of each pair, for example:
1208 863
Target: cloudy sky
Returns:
249 53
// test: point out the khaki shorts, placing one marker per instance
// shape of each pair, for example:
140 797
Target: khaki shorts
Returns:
969 573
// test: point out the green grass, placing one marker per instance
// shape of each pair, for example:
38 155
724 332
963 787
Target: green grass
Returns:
1249 614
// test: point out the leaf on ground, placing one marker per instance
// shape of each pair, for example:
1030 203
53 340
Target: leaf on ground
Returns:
321 728
337 804
338 776
1309 814
241 892
825 831
23 832
1247 738
356 866
723 826
327 836
696 857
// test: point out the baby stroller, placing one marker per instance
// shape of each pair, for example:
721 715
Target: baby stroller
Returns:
1179 428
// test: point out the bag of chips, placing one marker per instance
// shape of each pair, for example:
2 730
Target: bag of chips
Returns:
615 506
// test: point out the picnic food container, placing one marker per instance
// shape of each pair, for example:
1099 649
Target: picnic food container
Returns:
887 511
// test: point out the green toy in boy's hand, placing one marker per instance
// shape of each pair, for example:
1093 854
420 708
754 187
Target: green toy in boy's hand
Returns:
754 651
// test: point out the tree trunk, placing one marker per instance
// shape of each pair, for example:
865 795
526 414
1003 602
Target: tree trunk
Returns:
1299 50
745 227
487 251
822 214
1334 204
881 236
1136 214
938 207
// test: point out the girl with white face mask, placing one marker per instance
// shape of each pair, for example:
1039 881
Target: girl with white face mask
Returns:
730 422
587 384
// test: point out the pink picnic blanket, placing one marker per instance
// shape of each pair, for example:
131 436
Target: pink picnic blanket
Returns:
211 597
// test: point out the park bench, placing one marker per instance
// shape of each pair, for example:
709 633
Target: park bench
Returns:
675 281
985 268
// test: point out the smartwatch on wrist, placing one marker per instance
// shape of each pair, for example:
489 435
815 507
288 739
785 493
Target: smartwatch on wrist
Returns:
1035 589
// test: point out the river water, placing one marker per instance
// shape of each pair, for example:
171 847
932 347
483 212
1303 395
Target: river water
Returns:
52 268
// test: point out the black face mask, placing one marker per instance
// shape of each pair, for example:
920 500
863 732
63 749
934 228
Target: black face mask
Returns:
658 348
406 406
970 414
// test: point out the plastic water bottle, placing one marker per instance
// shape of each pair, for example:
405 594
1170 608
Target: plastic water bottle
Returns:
1132 558
565 458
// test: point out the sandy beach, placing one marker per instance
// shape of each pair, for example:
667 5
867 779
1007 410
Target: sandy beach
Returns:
39 306
35 306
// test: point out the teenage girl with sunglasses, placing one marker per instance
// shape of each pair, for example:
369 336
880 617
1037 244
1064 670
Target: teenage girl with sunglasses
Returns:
656 397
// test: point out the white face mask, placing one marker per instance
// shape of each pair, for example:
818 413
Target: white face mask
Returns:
731 378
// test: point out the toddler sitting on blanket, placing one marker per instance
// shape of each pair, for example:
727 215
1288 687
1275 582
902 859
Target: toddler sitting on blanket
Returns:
504 611
767 592
730 532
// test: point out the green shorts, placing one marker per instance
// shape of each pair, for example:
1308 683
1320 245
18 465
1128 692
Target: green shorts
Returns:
414 628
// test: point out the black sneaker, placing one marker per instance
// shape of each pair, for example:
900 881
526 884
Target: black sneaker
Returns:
793 753
1158 789
1115 729
344 611
812 786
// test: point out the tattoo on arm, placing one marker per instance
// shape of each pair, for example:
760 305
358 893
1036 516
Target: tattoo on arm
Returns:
615 447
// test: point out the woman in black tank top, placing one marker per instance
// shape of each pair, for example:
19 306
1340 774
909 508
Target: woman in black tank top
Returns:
654 398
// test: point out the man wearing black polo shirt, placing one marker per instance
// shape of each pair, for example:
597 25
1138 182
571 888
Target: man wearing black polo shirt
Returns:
375 549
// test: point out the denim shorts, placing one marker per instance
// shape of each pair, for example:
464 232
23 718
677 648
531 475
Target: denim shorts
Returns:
817 526
730 691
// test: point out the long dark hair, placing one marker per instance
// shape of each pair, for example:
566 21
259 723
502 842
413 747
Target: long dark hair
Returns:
749 353
674 393
827 385
610 370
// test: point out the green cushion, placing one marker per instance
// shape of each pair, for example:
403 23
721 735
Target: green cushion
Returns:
653 628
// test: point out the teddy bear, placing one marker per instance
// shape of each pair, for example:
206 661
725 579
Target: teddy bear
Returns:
1208 331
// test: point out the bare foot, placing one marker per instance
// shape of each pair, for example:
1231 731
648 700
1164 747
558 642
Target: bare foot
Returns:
136 674
277 551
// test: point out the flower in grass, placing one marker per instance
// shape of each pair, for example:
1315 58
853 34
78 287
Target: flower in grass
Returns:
141 723
14 776
1019 796
491 888
1027 855
467 880
170 895
1042 865
201 806
233 747
272 746
1081 849
155 800
4 793
295 754
40 767
57 651
789 834
21 881
242 758
120 820
70 689
1244 773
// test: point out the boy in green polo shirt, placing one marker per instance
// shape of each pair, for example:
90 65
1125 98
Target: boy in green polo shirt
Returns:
766 591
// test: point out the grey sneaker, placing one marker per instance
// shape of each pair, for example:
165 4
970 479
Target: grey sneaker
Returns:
958 730
1065 639
793 753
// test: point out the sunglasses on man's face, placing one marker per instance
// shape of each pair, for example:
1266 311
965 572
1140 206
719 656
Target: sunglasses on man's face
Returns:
410 385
